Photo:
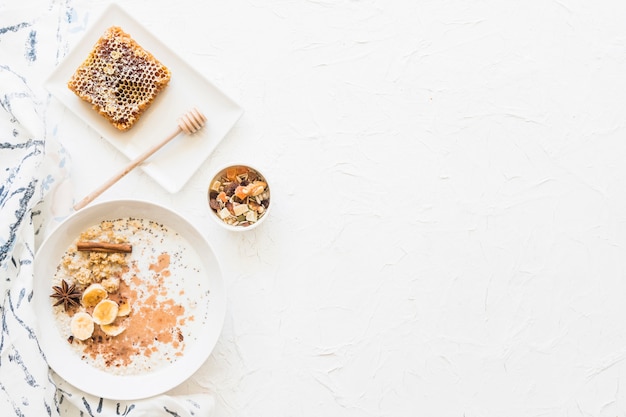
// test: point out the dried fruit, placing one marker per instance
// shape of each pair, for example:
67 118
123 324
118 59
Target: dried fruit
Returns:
214 204
229 188
239 196
240 209
242 192
257 188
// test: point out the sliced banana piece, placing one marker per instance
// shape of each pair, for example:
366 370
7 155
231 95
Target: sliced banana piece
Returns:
124 308
105 312
93 294
112 329
81 326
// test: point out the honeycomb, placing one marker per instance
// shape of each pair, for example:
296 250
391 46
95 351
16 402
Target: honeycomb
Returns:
119 78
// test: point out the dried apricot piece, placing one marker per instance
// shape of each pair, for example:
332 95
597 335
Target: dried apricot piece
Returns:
242 192
231 173
257 188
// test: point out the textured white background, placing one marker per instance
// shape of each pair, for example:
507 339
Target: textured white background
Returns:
449 211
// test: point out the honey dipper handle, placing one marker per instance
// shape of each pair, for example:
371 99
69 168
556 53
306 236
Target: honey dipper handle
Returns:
131 165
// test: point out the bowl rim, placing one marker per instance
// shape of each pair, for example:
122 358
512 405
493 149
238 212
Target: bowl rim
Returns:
127 387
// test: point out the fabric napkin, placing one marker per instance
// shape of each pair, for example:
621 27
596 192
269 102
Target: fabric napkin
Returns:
198 405
35 196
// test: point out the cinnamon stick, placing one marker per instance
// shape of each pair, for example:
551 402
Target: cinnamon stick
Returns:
104 247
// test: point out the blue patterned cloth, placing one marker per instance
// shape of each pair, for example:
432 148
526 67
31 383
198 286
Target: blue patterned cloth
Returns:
34 198
27 176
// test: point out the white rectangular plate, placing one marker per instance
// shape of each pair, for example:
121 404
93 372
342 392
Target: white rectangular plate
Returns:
175 164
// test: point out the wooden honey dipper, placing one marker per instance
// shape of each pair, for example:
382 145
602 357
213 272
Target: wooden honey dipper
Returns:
189 123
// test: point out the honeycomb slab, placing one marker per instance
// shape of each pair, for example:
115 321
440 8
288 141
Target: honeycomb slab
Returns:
119 78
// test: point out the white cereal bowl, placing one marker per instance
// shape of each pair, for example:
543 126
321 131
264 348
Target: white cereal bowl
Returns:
209 302
215 210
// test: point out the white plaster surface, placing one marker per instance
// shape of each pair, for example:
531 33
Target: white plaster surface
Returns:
448 231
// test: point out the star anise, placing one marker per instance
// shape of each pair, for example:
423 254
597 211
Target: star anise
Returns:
66 294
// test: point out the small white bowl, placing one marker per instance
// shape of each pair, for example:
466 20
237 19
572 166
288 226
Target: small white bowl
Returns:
239 197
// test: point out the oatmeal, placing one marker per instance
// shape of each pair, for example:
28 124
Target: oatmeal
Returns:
131 308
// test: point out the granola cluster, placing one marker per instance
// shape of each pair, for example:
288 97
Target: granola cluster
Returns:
97 267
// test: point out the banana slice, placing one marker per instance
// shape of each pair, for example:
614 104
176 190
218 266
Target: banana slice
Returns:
81 326
105 312
112 329
124 308
93 294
